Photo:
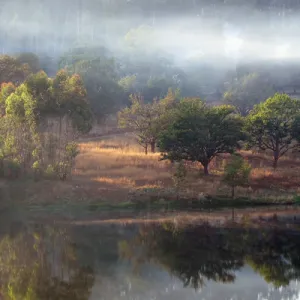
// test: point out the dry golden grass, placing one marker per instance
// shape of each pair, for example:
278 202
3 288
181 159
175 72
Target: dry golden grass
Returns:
117 163
114 168
123 181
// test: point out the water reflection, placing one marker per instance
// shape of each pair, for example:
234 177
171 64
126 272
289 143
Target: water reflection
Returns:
196 254
148 261
39 262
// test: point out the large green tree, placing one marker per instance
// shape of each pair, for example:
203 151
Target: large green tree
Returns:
274 125
199 133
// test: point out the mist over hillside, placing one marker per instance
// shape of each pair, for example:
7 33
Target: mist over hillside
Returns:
185 29
198 46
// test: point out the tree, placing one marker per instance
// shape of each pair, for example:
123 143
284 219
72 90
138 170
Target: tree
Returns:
43 117
99 76
5 90
147 119
11 70
199 133
236 173
274 125
142 119
31 59
246 92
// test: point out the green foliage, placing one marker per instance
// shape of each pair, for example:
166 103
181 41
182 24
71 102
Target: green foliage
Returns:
273 125
43 117
198 132
236 172
12 70
248 91
63 168
50 172
296 199
6 89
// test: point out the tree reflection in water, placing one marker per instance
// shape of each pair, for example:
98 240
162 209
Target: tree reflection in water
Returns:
199 253
40 263
50 262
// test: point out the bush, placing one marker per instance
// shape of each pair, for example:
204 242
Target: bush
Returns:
236 172
50 172
63 169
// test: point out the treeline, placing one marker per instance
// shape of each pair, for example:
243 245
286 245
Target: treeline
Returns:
162 104
190 129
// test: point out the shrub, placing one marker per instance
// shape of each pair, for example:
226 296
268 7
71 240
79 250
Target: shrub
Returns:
63 169
236 172
50 172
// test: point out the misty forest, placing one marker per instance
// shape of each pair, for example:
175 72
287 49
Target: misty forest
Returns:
136 101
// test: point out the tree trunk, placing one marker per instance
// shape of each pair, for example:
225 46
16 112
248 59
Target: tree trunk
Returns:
152 147
275 159
146 149
206 172
232 192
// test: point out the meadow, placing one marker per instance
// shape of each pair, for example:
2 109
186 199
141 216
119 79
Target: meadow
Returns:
112 168
117 167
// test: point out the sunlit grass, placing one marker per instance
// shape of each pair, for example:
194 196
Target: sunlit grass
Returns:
119 162
123 181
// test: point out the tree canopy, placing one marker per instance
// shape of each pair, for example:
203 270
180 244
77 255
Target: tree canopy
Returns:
199 133
274 125
147 119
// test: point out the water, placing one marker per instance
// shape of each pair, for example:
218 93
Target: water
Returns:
151 258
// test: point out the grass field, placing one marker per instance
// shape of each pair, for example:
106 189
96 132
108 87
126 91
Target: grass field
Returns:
114 169
116 165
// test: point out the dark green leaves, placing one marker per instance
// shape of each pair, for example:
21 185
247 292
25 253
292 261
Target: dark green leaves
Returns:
199 133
